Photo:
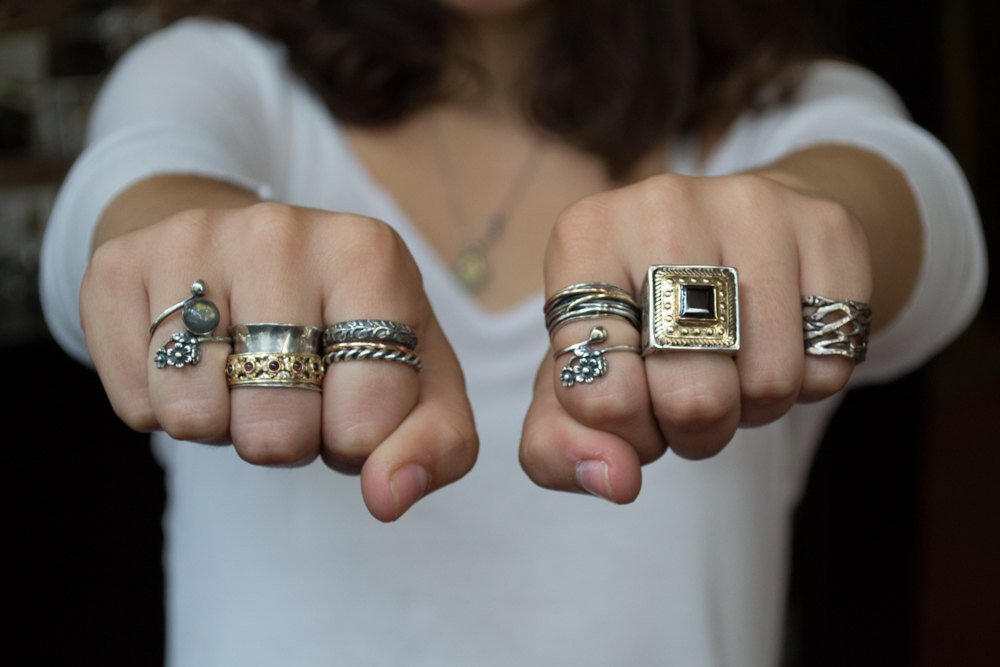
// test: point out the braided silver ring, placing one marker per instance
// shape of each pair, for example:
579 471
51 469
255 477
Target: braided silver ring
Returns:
340 352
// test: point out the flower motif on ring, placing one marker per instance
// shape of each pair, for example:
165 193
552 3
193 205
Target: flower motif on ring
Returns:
179 351
586 366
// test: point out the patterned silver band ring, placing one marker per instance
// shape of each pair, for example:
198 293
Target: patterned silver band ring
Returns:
379 331
831 327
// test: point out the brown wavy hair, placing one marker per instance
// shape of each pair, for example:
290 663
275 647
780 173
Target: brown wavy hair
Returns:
613 77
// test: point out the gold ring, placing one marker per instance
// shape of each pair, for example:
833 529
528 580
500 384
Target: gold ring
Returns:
687 307
281 369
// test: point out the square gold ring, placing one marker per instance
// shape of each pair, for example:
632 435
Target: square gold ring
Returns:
687 307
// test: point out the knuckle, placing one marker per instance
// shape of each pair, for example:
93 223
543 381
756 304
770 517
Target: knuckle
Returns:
270 230
694 408
196 420
357 439
532 457
825 377
459 441
265 449
378 247
137 415
771 385
576 229
702 449
665 192
611 408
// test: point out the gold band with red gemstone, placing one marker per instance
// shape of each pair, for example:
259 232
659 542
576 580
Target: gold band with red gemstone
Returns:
275 355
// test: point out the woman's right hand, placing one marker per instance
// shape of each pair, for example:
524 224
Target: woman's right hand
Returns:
406 432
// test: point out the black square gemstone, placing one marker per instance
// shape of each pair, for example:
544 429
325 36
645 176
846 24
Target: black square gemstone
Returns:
697 302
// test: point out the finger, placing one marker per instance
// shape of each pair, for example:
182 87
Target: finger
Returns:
365 400
113 312
769 361
616 402
276 425
434 445
558 452
695 394
190 401
835 263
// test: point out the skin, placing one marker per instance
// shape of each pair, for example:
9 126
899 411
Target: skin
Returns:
827 220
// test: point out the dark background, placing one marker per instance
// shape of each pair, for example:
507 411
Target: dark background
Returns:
897 540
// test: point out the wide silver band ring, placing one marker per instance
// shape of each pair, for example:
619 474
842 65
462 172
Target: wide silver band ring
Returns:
588 301
690 307
588 362
270 354
372 331
831 327
275 338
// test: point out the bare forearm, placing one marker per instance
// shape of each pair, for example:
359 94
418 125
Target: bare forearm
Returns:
155 199
877 194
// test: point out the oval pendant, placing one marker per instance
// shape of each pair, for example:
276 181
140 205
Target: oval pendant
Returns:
471 269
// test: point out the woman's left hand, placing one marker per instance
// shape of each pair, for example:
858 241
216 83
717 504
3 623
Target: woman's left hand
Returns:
785 243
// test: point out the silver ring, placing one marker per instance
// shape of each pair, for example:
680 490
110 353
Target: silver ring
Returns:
273 338
832 327
182 349
365 350
588 363
374 331
690 307
200 317
588 301
275 355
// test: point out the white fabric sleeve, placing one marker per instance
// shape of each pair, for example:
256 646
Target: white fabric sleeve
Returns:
845 104
192 98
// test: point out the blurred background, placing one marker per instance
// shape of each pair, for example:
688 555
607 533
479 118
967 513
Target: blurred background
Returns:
897 540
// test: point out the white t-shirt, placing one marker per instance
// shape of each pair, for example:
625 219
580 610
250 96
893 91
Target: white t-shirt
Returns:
286 567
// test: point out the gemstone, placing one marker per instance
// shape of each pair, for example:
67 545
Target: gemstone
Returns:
697 302
297 366
201 317
273 366
248 366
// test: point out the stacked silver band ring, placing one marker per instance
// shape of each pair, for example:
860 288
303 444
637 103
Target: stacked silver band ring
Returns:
384 340
200 317
689 307
587 301
588 362
832 327
582 301
275 355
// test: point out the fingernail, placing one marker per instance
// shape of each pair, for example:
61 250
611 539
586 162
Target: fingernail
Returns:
408 485
592 476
